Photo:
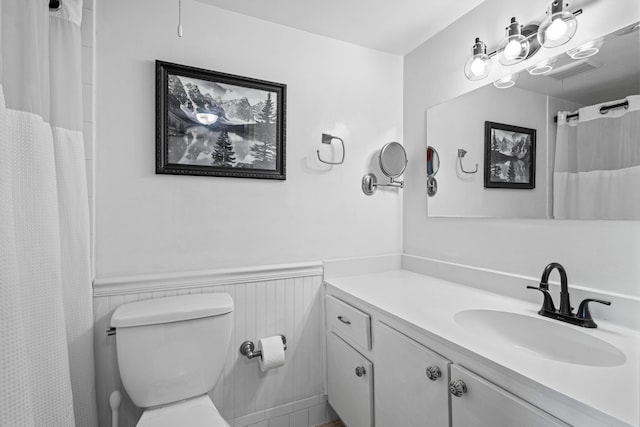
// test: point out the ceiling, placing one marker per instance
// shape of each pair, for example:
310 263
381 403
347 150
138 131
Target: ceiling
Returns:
396 27
613 74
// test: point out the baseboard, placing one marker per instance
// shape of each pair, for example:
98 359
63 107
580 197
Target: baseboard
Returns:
310 412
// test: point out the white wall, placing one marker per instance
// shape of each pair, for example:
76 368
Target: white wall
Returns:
597 254
459 123
148 223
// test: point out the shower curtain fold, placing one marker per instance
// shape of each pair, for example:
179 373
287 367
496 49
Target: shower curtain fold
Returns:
597 164
46 349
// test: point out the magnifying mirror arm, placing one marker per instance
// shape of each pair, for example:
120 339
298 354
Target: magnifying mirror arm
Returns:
393 183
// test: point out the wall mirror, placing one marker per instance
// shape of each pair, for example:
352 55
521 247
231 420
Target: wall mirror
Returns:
565 155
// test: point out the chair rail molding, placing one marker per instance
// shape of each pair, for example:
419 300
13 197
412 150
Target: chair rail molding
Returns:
122 285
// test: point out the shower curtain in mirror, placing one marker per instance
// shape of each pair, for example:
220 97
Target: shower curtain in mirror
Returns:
46 344
597 163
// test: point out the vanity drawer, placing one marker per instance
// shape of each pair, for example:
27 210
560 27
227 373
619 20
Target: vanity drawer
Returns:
349 322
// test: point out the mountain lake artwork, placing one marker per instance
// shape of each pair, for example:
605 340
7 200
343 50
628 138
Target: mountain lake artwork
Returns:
217 124
509 159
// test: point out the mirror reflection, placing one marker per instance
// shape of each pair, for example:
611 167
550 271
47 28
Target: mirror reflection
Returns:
433 161
587 163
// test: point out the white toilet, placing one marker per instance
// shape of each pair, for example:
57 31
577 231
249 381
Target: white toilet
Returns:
171 352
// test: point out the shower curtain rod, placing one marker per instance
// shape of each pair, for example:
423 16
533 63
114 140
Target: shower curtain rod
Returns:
603 110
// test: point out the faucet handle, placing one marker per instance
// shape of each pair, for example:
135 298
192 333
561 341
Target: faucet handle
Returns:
584 313
547 303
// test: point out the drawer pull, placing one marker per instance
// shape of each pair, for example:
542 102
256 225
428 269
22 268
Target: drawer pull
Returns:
433 373
360 371
343 320
457 388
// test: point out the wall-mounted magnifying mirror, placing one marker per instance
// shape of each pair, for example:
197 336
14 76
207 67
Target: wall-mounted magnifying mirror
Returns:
433 164
393 161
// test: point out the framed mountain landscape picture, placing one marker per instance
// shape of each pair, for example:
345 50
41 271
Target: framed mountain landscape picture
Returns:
509 156
218 124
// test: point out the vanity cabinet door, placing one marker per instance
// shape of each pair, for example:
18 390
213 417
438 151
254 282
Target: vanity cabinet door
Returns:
480 404
406 394
349 383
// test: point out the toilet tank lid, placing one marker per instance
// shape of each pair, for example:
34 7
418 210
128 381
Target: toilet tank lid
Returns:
171 309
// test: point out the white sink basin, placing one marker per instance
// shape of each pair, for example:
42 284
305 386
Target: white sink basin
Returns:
549 339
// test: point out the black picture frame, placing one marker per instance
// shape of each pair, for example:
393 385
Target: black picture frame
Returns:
509 156
217 124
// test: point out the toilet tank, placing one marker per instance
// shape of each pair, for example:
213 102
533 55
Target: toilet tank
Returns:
172 348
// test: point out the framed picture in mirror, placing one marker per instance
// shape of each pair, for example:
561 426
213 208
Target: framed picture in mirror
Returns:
509 156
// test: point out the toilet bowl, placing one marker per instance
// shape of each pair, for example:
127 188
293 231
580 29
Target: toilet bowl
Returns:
171 352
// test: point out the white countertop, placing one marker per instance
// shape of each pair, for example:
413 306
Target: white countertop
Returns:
430 304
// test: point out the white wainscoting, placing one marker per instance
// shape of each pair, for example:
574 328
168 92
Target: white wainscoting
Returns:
268 301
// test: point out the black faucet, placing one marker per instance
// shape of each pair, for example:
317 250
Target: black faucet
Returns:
565 312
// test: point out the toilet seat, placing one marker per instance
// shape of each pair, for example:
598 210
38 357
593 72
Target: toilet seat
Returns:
197 412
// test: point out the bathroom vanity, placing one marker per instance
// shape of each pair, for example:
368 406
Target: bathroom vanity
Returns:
407 349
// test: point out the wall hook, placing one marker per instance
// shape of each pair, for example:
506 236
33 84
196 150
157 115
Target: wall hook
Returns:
461 154
328 139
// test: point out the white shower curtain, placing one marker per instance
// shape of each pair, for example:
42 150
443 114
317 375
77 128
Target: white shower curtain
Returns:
46 344
597 163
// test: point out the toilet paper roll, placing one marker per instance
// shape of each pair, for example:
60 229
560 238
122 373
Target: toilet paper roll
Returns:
272 352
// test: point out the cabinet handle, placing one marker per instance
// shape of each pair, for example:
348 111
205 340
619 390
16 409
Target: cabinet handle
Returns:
457 388
433 373
360 371
343 320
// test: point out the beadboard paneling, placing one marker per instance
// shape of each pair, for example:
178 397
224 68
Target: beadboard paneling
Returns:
290 306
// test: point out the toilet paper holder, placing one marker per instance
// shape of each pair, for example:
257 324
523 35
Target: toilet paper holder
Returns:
247 348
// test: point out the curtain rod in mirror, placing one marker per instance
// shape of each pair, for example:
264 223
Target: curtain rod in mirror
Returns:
603 110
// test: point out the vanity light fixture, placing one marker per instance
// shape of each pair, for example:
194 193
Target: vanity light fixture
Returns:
514 47
586 50
506 81
558 27
522 43
542 67
479 65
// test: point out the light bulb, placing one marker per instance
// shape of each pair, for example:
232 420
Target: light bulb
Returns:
506 81
478 67
512 49
542 67
557 29
586 50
